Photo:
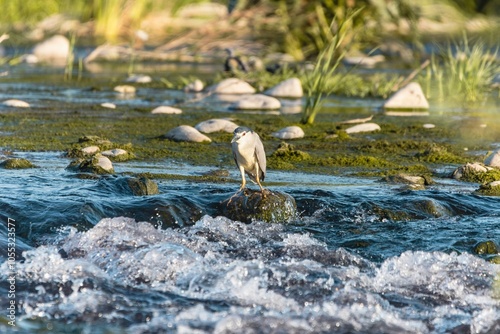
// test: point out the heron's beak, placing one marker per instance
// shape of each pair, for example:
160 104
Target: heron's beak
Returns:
235 138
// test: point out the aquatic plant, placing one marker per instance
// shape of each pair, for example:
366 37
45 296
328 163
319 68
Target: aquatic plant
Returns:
317 83
68 70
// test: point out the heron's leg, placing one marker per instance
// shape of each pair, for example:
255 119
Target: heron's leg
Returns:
257 178
243 180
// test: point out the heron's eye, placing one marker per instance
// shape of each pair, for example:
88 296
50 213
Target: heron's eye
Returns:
244 133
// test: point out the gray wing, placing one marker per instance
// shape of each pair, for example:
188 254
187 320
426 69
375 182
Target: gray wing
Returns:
233 148
260 154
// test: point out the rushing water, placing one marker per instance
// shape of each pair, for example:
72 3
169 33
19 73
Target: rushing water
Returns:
361 257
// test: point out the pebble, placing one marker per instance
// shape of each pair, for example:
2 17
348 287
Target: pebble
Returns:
290 132
55 48
166 110
187 133
139 78
216 125
410 96
364 127
493 159
231 86
256 102
16 103
291 88
125 89
108 105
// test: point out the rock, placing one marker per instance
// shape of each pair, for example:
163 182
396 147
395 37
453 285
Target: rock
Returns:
90 150
256 102
118 154
54 49
139 78
108 105
493 159
428 126
413 182
107 52
125 89
29 59
166 110
364 61
290 132
409 97
142 186
291 88
231 86
285 155
187 133
98 164
248 205
469 169
490 189
16 103
194 87
16 163
364 127
486 247
216 125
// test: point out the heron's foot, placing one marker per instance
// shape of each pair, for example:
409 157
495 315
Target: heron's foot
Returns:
242 189
265 192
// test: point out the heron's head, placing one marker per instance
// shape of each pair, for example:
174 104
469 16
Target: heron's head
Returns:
241 134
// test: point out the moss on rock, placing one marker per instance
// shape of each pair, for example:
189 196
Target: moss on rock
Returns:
142 186
96 164
439 154
486 247
16 163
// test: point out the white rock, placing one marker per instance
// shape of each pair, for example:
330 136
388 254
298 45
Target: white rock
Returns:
494 184
493 159
55 48
114 152
166 110
469 167
16 103
104 163
195 86
429 126
139 78
290 132
215 125
256 102
408 97
289 88
108 105
187 133
90 150
125 89
231 86
365 61
364 127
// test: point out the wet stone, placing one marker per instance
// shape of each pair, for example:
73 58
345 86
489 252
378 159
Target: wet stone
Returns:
142 186
486 247
248 205
16 163
490 189
98 164
493 159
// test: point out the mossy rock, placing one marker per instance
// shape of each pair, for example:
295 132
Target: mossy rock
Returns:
495 260
76 151
118 155
97 164
289 153
486 247
248 205
490 189
439 154
16 163
142 186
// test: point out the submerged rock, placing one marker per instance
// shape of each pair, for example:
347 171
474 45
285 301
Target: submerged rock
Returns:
413 182
256 102
231 86
55 49
490 189
410 97
98 164
142 186
291 88
16 163
216 125
248 205
364 127
187 133
493 159
290 132
16 103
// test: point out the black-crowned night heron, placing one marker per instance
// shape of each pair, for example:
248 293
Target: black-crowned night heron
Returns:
234 63
249 155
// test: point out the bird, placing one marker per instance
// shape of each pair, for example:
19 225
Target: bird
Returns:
233 63
249 155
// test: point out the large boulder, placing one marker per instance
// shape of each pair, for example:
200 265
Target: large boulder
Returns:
291 88
256 102
493 159
216 125
187 133
54 49
248 205
410 97
231 86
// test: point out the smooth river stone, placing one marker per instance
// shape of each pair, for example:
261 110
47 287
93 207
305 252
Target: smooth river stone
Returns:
55 48
187 133
290 132
410 97
493 159
166 110
364 127
216 125
291 88
16 103
231 86
256 102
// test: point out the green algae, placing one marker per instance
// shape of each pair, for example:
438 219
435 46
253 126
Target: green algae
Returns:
489 189
439 154
16 163
491 175
486 247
